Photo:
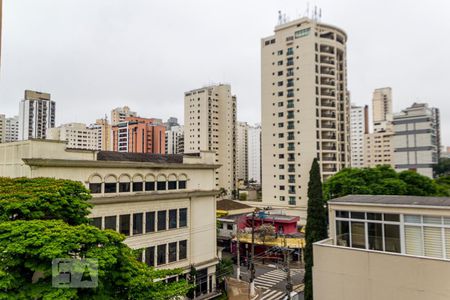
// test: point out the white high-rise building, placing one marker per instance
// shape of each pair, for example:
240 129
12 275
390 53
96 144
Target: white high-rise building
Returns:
254 153
119 114
12 129
175 139
210 124
104 132
36 115
2 128
76 135
305 109
358 127
242 151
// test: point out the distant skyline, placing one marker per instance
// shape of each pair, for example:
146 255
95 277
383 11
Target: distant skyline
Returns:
93 56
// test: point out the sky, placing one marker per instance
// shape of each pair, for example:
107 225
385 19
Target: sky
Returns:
93 56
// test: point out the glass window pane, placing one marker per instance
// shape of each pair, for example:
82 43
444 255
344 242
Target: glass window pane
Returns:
124 224
358 215
150 186
342 233
150 221
138 186
447 242
162 223
392 238
183 217
413 240
374 216
182 184
172 185
172 218
110 187
432 241
161 254
95 188
183 250
124 187
97 222
173 252
412 219
358 235
137 223
392 217
375 232
432 220
110 223
446 221
341 214
150 256
161 185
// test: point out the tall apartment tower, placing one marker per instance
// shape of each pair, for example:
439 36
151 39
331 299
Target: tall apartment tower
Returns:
119 114
305 109
210 124
174 139
382 109
242 151
104 132
76 135
12 129
2 128
416 140
36 115
254 153
359 126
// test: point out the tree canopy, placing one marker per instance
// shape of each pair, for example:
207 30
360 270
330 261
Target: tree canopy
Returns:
442 168
381 180
51 222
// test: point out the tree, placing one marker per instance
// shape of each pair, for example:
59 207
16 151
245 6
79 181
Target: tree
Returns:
224 269
316 224
265 231
51 222
442 168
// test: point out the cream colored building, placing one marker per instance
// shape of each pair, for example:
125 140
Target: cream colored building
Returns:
163 205
104 131
76 135
2 128
12 129
242 151
175 139
305 109
119 114
359 126
384 247
254 153
210 124
382 109
378 149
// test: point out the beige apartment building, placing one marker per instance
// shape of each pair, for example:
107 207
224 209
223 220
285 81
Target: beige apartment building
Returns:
382 109
242 151
76 135
119 114
104 131
164 205
305 109
210 124
359 127
384 247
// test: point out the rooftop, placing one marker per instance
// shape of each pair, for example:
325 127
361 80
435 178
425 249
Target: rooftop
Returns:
139 157
393 200
227 205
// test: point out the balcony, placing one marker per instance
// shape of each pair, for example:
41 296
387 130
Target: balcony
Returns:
328 124
326 49
329 146
327 81
326 135
327 92
328 114
328 157
291 169
326 60
291 148
328 103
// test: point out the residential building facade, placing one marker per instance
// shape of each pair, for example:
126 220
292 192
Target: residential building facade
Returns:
12 129
119 114
2 128
210 124
104 134
254 153
359 126
76 135
305 109
164 205
242 151
36 115
175 140
384 247
416 139
139 135
382 109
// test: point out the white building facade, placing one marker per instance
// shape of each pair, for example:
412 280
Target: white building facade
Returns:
242 151
119 114
12 129
254 153
175 140
76 135
358 127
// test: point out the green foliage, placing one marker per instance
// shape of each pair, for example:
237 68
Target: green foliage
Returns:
265 231
381 180
224 269
243 196
51 222
316 224
442 168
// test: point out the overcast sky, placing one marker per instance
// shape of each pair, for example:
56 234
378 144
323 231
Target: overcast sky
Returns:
94 55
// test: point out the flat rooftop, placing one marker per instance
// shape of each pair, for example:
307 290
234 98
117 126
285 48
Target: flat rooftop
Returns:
392 200
139 157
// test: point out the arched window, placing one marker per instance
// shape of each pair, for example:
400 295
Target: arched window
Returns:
161 184
138 183
172 182
110 184
124 183
150 182
182 181
95 184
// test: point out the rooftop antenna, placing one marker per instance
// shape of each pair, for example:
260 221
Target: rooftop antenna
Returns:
307 9
280 18
320 14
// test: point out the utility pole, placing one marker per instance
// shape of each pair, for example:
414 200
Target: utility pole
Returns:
252 263
238 253
289 286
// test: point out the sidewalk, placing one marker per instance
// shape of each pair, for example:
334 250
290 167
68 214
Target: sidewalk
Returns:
239 290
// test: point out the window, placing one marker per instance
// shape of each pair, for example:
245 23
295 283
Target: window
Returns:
342 233
138 186
230 226
183 217
150 221
162 224
291 200
124 224
358 235
110 187
183 250
392 238
413 239
182 184
302 33
138 223
375 234
432 238
95 188
161 260
97 222
150 256
124 187
172 252
149 185
172 185
161 185
110 223
172 218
